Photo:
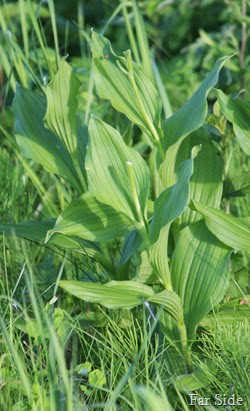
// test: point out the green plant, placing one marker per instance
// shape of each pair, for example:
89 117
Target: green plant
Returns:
153 223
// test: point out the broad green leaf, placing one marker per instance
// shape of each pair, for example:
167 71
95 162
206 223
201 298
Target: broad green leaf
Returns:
199 272
61 94
61 113
171 302
112 83
206 182
190 117
31 230
107 170
232 231
87 218
172 202
35 141
115 294
237 112
192 114
168 206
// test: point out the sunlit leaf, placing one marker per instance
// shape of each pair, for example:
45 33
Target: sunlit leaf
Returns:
107 170
113 84
115 294
87 218
171 302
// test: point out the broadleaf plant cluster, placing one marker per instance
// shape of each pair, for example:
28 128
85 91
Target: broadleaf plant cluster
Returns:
164 206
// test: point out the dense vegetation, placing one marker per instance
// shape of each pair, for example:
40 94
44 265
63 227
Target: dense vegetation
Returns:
124 205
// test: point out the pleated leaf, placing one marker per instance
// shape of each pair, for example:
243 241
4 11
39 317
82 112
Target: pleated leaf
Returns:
233 231
206 182
107 170
190 117
87 218
113 84
172 202
61 94
115 294
237 112
35 141
192 114
171 303
199 272
168 206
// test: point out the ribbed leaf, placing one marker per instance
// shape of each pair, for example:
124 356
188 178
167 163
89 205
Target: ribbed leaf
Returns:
61 113
233 231
115 294
168 206
206 183
199 272
61 110
171 302
35 141
107 170
172 202
87 218
113 84
190 117
237 112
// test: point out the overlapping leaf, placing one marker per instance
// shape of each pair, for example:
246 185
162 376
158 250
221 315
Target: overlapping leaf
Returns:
206 182
168 206
107 170
87 218
61 113
113 84
171 302
190 117
237 112
233 231
172 202
35 141
61 94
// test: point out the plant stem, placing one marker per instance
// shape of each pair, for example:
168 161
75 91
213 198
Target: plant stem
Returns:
185 348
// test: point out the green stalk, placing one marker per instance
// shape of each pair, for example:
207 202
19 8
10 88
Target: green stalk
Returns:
130 33
54 29
186 351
